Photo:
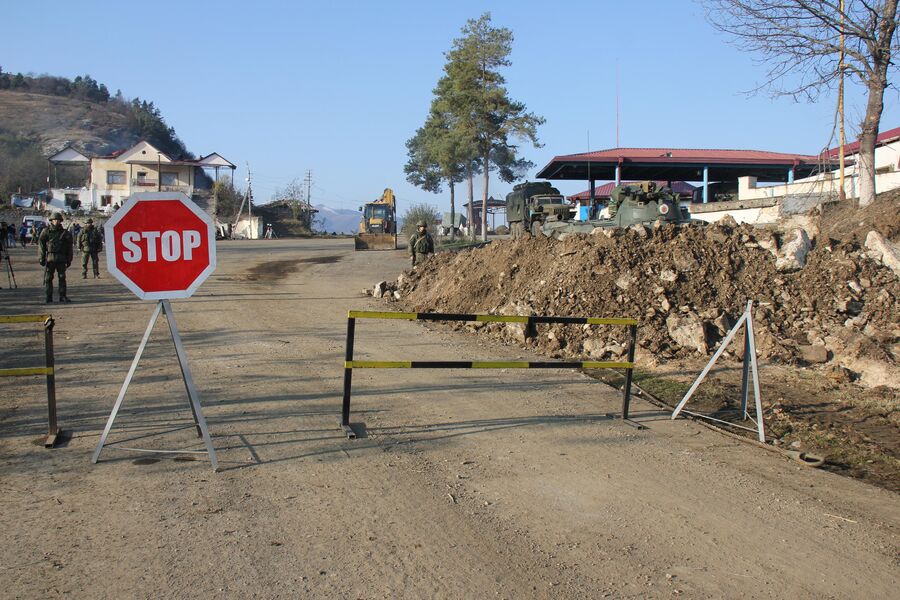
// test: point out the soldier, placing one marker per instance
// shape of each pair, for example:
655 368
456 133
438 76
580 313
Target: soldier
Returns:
90 242
420 244
55 247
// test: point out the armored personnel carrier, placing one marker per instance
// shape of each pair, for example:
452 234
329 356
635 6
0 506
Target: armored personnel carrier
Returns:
629 204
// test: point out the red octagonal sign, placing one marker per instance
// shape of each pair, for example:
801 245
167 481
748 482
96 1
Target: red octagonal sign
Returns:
160 245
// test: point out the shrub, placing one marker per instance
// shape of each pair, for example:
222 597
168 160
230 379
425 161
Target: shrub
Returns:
416 213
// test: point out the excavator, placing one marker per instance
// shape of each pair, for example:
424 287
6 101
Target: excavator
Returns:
378 226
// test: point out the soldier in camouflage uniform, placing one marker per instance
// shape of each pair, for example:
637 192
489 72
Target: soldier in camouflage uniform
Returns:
420 244
90 242
55 247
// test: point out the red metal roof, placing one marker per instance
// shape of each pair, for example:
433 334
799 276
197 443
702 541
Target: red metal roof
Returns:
885 137
605 190
690 155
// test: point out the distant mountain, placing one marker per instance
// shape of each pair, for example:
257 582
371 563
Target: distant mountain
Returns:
338 220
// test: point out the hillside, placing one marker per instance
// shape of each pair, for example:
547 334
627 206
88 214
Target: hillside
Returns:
53 121
41 114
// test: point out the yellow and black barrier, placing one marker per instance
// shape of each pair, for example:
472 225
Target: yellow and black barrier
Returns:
529 321
48 369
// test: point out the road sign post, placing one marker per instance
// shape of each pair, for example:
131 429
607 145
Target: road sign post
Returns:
161 246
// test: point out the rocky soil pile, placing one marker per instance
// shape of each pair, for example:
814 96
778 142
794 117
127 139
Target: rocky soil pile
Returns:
817 298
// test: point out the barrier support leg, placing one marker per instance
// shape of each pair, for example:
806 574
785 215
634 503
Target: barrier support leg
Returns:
53 430
193 396
745 375
348 380
131 370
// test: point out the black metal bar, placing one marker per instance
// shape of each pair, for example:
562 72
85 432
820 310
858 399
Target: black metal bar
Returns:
531 328
444 317
474 317
348 380
468 364
440 364
49 362
626 394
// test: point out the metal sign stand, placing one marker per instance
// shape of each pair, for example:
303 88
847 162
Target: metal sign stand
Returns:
202 431
749 364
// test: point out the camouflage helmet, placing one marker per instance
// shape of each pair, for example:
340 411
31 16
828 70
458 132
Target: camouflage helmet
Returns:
90 221
421 224
57 216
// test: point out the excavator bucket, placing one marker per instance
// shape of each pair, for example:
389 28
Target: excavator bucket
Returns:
375 241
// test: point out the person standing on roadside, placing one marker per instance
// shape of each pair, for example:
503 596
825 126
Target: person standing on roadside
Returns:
55 255
421 244
23 235
90 242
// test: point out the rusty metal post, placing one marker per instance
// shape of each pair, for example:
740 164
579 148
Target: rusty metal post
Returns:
348 379
49 363
626 394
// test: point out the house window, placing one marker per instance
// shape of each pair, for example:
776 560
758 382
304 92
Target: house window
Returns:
115 177
142 175
168 178
105 200
72 201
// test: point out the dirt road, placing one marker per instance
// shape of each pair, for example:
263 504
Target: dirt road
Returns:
468 484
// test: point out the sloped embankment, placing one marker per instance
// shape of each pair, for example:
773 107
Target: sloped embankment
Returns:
687 286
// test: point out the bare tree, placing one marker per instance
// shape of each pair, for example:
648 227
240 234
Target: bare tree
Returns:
800 42
294 194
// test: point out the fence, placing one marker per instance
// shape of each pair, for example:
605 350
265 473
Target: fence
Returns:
48 369
529 321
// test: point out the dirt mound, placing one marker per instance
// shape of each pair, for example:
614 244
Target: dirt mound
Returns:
818 299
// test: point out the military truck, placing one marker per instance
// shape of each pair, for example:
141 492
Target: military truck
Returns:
629 204
534 204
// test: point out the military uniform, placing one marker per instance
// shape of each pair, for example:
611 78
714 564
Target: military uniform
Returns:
90 242
421 245
55 248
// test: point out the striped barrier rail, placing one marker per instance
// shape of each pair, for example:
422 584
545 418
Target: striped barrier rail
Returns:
529 321
47 370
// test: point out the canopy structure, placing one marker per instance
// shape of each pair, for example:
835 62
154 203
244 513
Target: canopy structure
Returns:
682 188
494 206
681 164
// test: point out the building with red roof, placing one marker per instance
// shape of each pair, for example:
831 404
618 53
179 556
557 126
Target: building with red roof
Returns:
682 164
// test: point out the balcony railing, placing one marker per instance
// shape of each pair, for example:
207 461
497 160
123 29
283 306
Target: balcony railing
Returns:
152 185
177 188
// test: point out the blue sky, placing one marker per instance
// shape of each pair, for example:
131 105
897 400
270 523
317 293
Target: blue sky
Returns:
338 88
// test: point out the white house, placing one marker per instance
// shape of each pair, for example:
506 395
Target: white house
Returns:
109 180
887 173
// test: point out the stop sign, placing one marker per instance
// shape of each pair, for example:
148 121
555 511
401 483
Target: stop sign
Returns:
160 245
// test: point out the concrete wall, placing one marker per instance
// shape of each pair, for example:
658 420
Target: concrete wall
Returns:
755 212
248 228
887 177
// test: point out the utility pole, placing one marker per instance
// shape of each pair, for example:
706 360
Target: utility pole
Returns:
842 195
308 181
249 193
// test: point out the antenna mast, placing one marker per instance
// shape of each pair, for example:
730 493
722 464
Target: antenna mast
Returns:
249 192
